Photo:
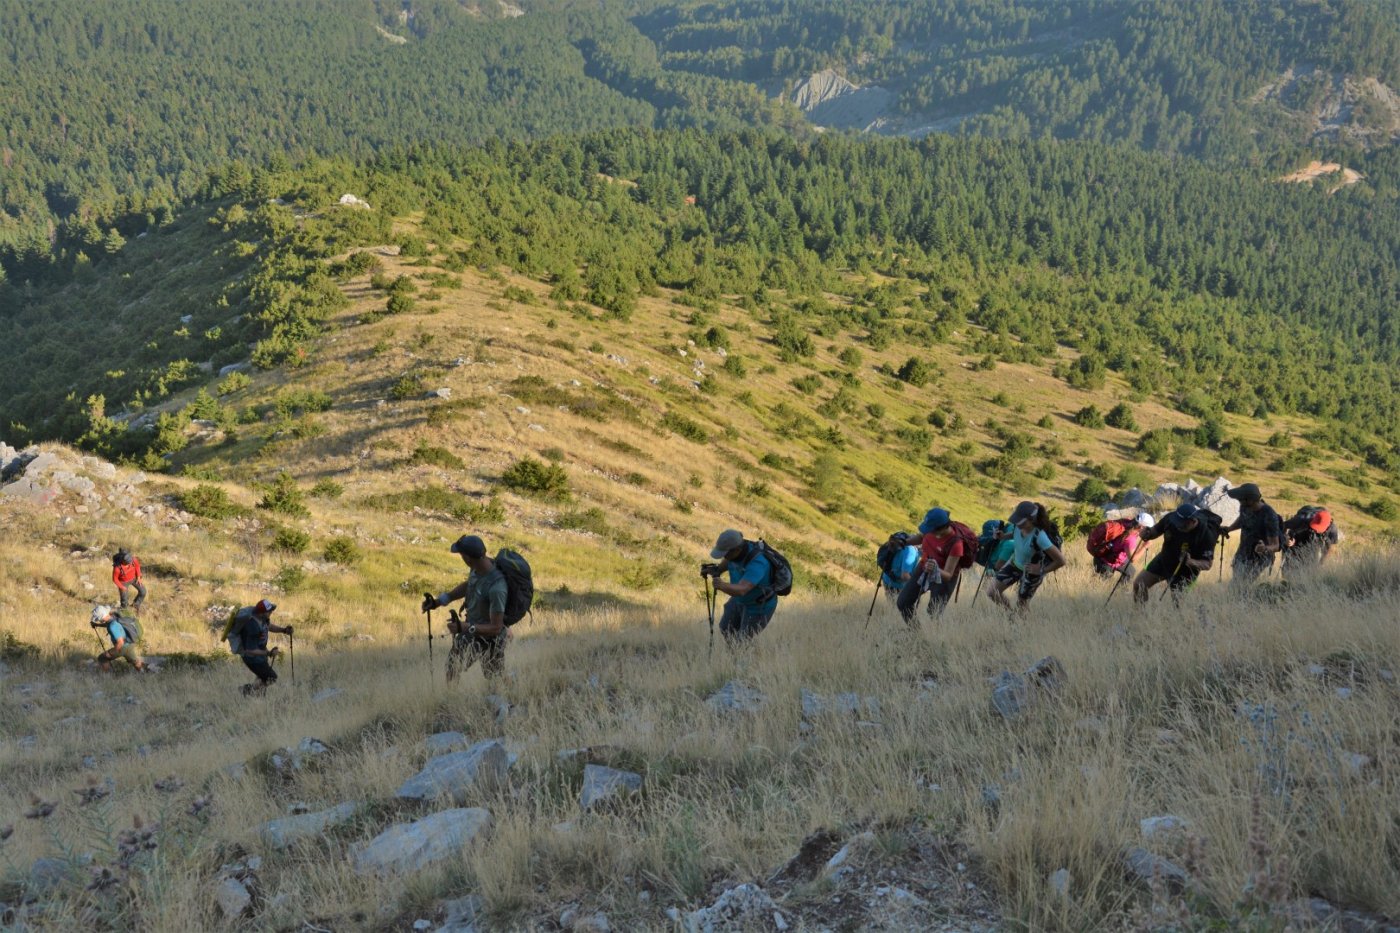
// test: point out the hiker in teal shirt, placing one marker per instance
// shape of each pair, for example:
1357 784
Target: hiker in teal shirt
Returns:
752 601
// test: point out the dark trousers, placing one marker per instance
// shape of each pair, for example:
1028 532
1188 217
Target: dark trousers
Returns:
739 623
938 595
260 666
468 649
140 589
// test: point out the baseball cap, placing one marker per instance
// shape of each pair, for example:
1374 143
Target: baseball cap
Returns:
934 520
469 546
1182 514
1321 521
264 607
1023 511
100 614
1246 492
1145 520
727 541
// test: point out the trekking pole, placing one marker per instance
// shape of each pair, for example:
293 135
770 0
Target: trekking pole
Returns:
292 656
980 580
1222 557
1175 573
879 581
431 673
710 600
957 587
1122 575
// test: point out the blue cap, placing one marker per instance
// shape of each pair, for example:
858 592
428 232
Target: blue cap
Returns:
469 546
935 520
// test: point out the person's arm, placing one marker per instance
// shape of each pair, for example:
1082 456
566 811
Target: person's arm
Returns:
1203 560
950 564
754 573
450 596
1057 560
1270 545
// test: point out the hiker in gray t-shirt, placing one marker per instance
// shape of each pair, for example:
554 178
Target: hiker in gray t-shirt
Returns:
481 633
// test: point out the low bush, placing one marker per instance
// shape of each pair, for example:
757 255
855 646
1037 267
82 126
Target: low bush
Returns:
341 550
533 477
208 501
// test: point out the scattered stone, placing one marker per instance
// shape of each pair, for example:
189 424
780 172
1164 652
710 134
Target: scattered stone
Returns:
422 925
232 897
814 704
1059 882
461 914
589 754
459 775
1010 695
48 873
288 831
736 697
746 907
1317 670
444 393
1344 693
1144 867
1155 826
1356 762
408 847
441 742
236 771
603 785
844 854
330 693
501 706
294 759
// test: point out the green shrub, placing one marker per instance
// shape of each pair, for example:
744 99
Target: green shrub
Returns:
327 489
851 356
1089 416
234 382
680 424
208 502
289 578
433 498
425 455
1091 491
734 366
1045 422
589 520
406 387
553 454
536 478
342 550
1384 508
284 497
1121 416
290 540
915 371
807 384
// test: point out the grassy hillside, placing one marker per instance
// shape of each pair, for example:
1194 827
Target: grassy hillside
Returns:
1267 733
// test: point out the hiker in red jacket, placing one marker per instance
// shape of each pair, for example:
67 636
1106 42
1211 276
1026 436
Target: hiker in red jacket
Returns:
126 574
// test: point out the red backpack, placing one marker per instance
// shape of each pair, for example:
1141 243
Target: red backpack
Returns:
1103 536
969 542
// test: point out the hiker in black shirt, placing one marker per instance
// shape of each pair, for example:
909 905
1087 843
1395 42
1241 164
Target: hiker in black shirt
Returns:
1188 549
1260 532
1311 536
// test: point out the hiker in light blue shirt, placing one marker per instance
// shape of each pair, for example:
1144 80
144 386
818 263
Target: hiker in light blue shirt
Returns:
752 601
902 567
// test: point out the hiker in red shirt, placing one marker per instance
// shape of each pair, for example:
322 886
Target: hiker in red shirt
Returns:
126 574
946 547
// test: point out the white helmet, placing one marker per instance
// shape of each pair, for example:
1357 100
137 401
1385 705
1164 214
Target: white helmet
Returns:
1145 520
100 614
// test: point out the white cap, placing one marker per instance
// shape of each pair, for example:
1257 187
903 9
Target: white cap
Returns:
1145 519
100 614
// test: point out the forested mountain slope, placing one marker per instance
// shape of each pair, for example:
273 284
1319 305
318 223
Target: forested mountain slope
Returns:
122 109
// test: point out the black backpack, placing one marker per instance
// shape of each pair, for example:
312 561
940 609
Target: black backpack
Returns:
520 585
890 550
780 571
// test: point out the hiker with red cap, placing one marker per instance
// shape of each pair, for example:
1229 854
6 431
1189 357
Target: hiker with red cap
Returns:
126 575
1035 554
1188 538
945 547
247 630
1261 535
1310 536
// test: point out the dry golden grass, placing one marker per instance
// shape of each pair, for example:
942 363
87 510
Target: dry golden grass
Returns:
1155 718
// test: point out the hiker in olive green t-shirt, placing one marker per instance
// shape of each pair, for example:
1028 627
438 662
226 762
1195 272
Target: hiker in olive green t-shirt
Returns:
481 635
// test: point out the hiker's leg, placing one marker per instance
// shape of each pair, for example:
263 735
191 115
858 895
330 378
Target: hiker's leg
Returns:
940 595
132 655
460 658
1007 576
1142 583
1030 582
908 600
262 670
140 594
125 593
751 623
731 620
492 652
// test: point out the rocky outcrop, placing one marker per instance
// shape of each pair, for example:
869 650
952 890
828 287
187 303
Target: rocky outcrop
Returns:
288 831
409 847
459 775
830 100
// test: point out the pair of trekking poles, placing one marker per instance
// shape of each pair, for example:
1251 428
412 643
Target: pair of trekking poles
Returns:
880 581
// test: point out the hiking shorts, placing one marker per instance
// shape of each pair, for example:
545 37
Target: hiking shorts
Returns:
261 668
1249 569
1027 583
468 649
1164 565
740 622
130 652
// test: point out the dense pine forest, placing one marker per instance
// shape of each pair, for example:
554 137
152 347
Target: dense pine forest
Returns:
1216 291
